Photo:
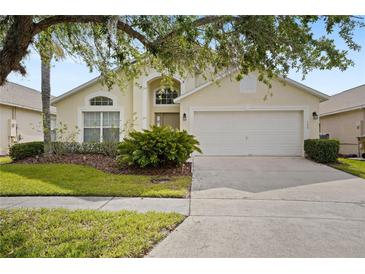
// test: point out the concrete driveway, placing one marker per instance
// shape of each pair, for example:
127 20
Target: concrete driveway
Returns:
269 207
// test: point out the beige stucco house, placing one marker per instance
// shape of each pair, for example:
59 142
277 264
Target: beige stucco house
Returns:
228 118
343 116
20 115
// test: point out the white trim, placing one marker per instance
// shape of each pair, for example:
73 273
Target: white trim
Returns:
151 76
155 75
144 108
304 109
342 110
320 95
182 96
107 94
162 105
53 109
72 91
88 108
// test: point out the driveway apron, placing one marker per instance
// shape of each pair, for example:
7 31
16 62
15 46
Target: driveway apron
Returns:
269 207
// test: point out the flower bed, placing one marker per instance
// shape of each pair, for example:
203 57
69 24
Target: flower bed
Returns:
108 164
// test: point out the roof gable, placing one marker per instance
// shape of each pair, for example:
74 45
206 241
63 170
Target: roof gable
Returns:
312 91
76 89
347 100
12 94
305 88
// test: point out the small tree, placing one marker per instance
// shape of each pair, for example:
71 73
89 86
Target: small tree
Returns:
47 49
46 104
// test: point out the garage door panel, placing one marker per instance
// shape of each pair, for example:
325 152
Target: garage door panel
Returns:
219 137
214 142
249 132
232 123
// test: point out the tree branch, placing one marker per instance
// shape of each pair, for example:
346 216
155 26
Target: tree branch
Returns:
60 19
197 23
23 29
135 34
15 46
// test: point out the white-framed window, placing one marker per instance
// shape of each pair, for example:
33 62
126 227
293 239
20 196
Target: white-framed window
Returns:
165 96
101 126
101 101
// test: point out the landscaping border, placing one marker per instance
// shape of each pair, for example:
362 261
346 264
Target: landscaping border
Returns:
108 164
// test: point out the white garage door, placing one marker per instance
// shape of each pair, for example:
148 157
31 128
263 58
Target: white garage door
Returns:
249 132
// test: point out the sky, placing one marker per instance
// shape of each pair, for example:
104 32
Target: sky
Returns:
68 74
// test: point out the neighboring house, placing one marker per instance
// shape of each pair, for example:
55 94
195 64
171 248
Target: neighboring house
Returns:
343 116
20 115
229 118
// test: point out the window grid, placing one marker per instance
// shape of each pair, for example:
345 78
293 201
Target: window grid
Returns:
101 101
165 96
101 126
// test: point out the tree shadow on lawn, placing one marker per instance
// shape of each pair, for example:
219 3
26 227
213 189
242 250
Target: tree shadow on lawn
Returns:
78 180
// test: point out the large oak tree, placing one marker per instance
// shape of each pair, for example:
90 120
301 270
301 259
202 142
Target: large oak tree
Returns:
269 45
181 44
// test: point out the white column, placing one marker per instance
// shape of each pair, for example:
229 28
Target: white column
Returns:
144 107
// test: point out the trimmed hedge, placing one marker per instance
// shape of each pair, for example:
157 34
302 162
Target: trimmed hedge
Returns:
31 149
105 148
322 150
24 150
160 146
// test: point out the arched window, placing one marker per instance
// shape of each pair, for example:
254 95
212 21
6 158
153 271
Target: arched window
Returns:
101 101
165 96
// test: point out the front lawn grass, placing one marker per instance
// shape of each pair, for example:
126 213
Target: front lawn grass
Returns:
354 167
5 160
81 233
78 180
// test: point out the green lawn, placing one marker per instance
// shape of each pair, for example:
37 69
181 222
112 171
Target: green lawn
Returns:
354 167
78 180
82 233
5 160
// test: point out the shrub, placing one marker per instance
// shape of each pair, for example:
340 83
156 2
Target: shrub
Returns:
322 150
105 148
23 150
159 146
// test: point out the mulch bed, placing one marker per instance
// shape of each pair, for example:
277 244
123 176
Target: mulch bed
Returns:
108 164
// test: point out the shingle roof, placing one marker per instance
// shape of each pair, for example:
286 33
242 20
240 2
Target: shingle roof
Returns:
344 101
12 94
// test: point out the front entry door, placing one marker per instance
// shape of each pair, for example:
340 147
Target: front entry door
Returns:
168 119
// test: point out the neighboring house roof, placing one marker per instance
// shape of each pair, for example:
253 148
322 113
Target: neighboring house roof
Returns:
312 91
347 100
15 95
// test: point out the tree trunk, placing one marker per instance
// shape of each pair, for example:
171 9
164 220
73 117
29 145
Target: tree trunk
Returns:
15 47
46 106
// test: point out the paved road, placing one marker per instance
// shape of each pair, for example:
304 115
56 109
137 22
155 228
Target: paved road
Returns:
270 207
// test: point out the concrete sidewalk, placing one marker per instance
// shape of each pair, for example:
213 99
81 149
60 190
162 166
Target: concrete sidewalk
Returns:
100 203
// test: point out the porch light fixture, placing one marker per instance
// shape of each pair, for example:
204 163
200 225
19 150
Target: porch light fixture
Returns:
315 115
184 117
